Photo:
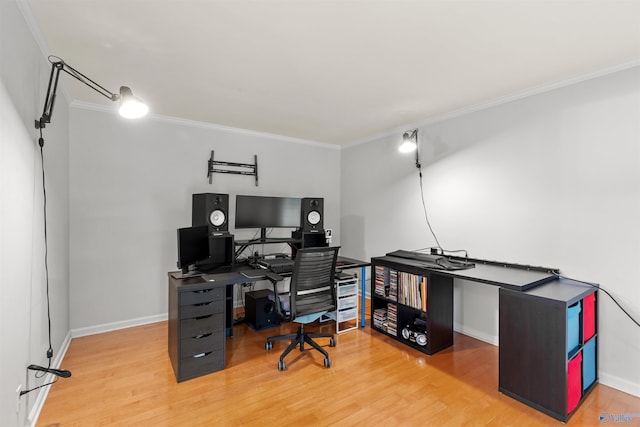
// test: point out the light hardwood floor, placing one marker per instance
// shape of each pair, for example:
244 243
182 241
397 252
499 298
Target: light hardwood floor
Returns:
124 378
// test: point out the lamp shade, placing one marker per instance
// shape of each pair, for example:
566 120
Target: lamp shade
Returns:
130 106
409 142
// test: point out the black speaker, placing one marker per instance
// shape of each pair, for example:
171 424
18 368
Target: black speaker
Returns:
312 215
211 209
259 311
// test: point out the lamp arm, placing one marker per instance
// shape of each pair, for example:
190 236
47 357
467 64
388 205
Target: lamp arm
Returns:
87 81
49 101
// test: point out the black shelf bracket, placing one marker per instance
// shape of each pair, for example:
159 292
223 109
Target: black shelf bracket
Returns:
215 166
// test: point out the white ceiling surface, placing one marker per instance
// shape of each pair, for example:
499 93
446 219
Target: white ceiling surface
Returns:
331 71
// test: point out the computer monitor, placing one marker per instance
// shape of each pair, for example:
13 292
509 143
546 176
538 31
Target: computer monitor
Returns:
267 212
193 246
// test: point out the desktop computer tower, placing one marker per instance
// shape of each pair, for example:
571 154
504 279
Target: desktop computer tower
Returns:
259 310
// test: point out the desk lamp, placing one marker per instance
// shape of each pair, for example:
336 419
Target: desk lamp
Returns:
130 106
409 141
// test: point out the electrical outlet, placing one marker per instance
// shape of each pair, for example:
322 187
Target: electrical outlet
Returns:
18 390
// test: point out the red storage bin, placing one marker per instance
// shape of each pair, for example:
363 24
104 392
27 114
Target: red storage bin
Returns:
588 317
574 382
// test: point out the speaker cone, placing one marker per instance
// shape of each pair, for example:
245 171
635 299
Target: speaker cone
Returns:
421 339
313 217
217 218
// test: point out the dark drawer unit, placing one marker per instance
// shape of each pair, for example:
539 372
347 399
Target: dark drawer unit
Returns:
196 327
548 346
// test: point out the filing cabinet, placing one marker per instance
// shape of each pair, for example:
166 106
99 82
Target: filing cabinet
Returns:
196 327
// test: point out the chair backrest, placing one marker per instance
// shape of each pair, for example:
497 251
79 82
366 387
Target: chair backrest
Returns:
312 285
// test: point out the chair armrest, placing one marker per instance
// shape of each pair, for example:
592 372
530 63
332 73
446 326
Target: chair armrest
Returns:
274 279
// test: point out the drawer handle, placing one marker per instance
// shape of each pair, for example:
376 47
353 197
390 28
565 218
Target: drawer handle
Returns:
197 337
203 291
202 304
203 317
199 355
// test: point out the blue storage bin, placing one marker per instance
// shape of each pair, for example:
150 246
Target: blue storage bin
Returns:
573 328
589 363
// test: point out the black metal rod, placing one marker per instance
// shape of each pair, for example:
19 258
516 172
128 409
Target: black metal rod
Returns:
239 165
232 172
52 89
95 86
255 159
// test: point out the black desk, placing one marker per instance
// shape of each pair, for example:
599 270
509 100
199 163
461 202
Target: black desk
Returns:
510 276
547 353
201 315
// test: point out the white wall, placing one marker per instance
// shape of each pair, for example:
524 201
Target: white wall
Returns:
24 74
552 179
131 187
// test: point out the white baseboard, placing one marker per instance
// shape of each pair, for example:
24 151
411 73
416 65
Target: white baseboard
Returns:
474 333
114 326
619 384
44 391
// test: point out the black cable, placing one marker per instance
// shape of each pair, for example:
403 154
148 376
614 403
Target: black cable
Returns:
46 247
603 290
23 392
424 207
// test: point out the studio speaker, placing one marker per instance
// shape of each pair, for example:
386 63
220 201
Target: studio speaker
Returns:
259 311
312 214
211 209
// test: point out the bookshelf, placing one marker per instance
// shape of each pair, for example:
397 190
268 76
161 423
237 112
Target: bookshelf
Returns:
412 305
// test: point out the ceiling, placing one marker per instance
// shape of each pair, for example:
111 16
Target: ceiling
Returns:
328 71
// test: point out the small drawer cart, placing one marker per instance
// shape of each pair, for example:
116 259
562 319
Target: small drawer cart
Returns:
346 314
196 327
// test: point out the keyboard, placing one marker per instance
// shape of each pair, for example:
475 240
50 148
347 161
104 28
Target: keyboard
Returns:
278 265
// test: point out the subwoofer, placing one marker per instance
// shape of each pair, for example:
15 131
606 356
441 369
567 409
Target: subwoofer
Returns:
312 215
259 311
211 209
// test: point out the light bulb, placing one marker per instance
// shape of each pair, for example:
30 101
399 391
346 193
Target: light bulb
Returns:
130 106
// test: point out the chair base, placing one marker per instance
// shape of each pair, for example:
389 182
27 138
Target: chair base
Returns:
298 340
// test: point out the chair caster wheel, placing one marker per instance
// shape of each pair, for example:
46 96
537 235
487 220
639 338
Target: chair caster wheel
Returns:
281 365
268 345
327 362
332 342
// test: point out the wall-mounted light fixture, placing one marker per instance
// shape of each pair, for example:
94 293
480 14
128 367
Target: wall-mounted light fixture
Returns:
409 141
409 144
130 106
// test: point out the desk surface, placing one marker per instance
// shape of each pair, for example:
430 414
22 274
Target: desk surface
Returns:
345 263
222 278
519 279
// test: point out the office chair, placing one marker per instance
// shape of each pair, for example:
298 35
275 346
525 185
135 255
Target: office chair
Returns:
312 294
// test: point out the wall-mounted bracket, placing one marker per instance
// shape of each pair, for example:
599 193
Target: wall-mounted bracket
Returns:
214 166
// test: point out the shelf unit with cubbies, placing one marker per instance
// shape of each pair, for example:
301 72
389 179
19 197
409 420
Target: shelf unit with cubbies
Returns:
411 304
548 345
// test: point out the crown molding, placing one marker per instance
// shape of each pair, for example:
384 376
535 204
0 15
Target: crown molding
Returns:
210 126
498 101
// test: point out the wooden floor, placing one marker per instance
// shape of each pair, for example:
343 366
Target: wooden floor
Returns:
124 378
